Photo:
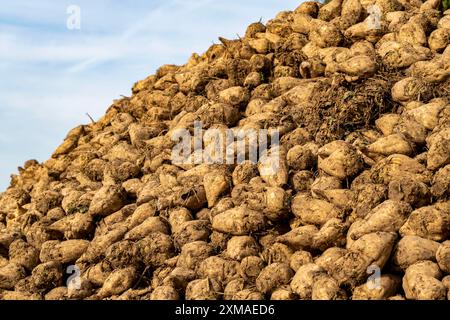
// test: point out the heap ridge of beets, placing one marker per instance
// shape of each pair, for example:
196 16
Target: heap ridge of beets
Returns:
359 208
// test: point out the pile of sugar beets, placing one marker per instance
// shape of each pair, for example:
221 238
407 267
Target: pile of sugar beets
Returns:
359 206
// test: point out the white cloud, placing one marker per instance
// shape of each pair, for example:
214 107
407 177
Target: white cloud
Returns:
50 76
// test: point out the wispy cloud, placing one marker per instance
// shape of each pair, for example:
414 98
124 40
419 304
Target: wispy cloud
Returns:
51 76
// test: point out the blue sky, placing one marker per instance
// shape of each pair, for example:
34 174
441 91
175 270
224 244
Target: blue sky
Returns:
50 76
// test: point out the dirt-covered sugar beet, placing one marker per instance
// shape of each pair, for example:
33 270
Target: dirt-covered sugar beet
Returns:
319 169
